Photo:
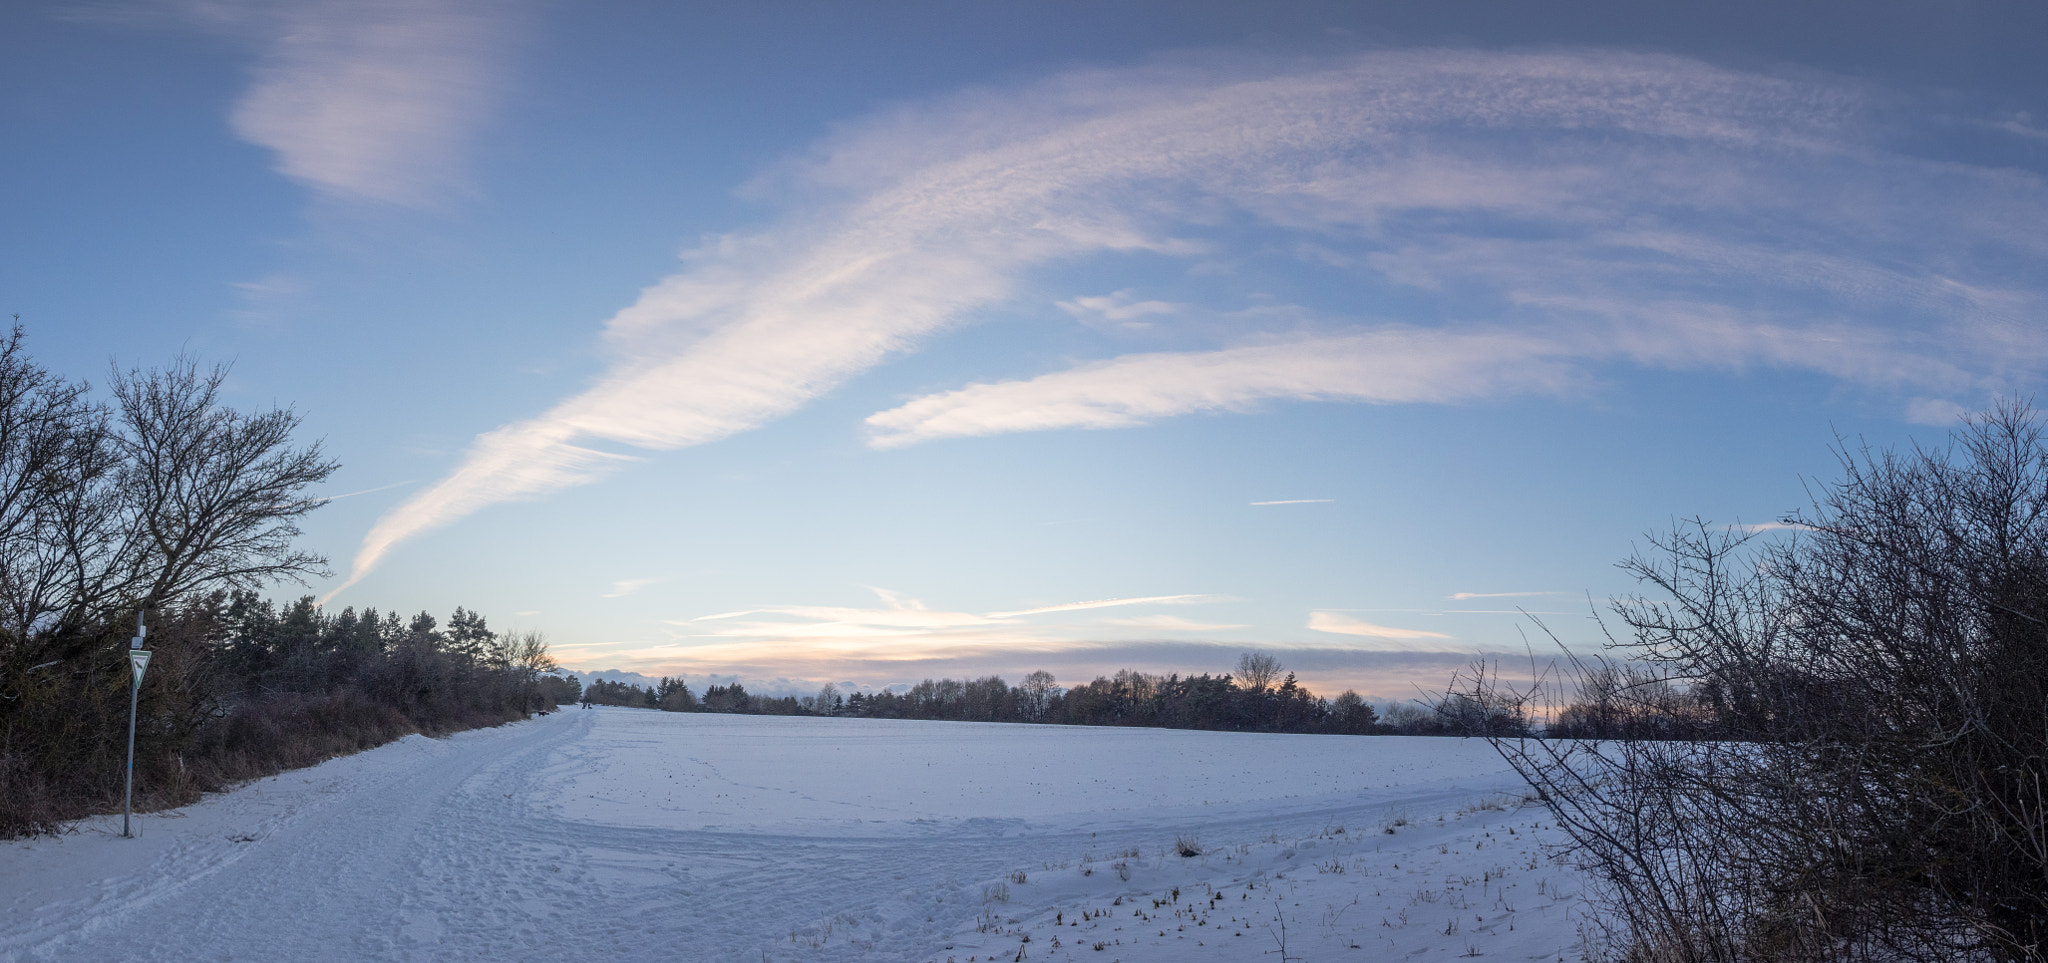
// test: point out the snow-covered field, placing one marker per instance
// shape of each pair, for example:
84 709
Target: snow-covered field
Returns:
619 834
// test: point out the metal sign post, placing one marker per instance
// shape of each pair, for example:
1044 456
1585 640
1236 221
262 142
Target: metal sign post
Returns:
138 659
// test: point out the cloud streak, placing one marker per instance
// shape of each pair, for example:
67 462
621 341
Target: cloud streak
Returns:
1118 309
1382 367
627 586
375 99
1598 209
1413 640
905 628
1758 527
1108 603
904 635
1173 623
901 613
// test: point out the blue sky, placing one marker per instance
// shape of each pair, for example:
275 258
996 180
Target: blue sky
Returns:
874 342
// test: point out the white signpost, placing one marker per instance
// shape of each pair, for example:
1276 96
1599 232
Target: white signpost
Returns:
138 658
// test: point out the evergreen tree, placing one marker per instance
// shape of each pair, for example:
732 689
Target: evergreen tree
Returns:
468 636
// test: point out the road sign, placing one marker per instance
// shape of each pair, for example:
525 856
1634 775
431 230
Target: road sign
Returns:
138 657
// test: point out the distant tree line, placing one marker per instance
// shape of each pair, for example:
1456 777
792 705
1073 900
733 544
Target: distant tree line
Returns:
1611 701
674 695
168 503
1252 700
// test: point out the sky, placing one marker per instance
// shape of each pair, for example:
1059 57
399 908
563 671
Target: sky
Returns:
870 342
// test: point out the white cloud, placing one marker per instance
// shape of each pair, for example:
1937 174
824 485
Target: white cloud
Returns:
1598 209
1404 639
1298 501
1401 365
2022 124
512 463
375 99
1389 366
1770 527
906 632
1462 596
905 628
267 301
900 610
1171 623
1108 603
1939 412
1119 309
365 491
625 587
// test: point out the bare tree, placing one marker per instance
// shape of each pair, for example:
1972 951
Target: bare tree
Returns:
159 500
1864 779
214 494
1625 700
1039 690
1257 669
166 497
57 468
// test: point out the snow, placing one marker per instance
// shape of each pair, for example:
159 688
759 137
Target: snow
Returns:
619 833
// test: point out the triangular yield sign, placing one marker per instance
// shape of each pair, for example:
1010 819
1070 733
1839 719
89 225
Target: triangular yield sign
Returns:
139 658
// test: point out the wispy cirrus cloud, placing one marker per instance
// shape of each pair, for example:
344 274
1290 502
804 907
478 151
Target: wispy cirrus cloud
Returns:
1415 640
903 638
1390 366
627 586
1119 309
1172 623
1297 501
1109 603
1939 412
905 628
324 499
370 99
359 99
1757 527
1598 209
1599 302
1462 596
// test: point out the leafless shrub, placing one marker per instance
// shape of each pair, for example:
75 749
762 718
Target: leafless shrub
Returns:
1858 766
1187 847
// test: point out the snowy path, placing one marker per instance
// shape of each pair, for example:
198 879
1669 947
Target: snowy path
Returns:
633 834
